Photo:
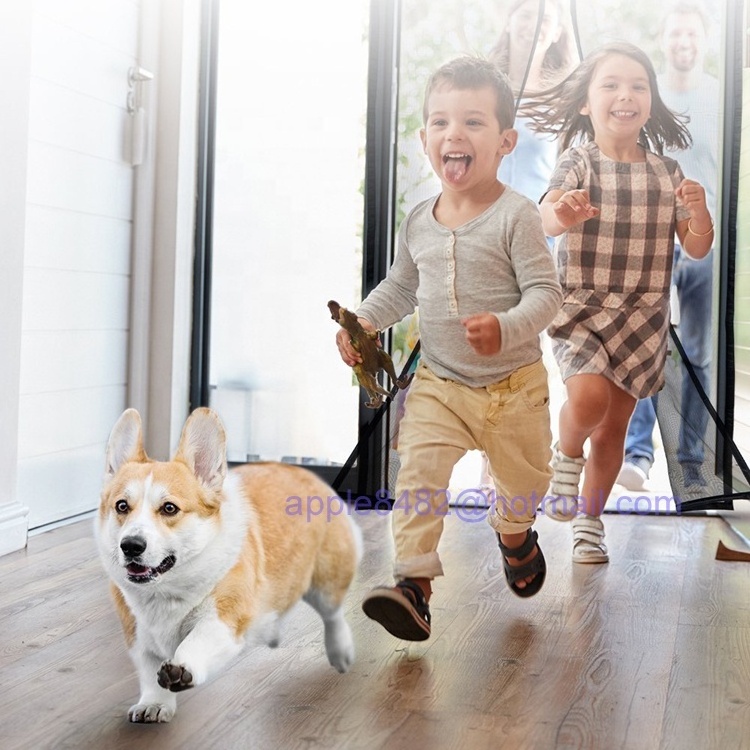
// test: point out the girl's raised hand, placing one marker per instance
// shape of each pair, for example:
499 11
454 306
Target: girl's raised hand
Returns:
696 234
574 207
693 196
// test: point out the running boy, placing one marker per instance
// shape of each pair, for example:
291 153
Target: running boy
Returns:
615 203
475 260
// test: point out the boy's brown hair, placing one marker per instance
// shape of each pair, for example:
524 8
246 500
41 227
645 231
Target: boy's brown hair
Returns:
471 73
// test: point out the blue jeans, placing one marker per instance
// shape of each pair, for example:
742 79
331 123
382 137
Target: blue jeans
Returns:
694 282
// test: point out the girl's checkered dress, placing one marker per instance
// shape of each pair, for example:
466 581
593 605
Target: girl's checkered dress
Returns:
615 269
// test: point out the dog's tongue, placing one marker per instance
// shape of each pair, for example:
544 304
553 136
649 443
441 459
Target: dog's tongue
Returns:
455 169
137 570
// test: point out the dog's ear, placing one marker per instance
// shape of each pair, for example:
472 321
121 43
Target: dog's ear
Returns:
125 442
203 447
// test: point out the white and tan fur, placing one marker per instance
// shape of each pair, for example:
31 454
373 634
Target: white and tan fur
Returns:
201 557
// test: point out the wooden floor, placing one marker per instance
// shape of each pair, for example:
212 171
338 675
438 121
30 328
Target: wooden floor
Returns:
650 651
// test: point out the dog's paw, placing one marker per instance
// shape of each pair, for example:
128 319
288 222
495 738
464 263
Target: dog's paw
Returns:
144 713
342 660
340 649
174 677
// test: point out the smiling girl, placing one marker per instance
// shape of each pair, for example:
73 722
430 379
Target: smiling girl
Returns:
614 203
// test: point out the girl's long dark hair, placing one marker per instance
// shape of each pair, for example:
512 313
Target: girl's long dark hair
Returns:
558 109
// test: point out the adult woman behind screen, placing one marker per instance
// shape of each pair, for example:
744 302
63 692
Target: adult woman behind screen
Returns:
548 58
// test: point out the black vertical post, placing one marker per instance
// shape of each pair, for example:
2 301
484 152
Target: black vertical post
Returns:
725 377
380 172
200 339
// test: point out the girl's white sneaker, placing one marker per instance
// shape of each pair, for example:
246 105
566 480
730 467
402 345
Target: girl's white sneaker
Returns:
562 504
588 540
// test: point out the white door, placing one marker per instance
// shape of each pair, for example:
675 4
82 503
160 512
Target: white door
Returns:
77 257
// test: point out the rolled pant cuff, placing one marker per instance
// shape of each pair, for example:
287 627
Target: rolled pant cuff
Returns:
502 526
423 566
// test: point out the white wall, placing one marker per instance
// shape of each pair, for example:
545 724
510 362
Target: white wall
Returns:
74 339
15 55
86 257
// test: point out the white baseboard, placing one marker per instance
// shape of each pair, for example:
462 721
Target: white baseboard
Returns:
14 527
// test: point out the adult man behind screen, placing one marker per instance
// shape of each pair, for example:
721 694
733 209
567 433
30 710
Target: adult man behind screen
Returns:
686 88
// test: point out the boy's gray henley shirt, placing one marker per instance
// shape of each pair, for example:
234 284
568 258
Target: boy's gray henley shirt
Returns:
499 262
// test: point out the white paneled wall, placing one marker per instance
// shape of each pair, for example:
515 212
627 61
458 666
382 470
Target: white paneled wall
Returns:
15 55
82 239
74 343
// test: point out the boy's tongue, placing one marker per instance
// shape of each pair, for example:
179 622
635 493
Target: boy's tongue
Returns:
455 168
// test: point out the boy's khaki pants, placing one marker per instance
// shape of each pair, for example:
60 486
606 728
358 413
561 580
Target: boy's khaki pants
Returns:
508 420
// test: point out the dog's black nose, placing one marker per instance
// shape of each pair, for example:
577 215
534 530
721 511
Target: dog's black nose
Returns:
132 546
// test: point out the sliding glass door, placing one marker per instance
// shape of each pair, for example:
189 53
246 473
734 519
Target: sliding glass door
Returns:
300 217
291 97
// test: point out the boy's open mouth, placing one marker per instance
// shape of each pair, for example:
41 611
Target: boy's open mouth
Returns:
456 165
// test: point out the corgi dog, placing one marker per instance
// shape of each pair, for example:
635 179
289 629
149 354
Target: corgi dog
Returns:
200 557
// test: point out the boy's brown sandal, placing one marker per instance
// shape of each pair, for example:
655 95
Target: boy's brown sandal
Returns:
402 610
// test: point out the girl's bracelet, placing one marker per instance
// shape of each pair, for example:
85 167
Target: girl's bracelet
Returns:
698 234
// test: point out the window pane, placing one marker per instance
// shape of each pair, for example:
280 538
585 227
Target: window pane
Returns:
291 103
742 273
